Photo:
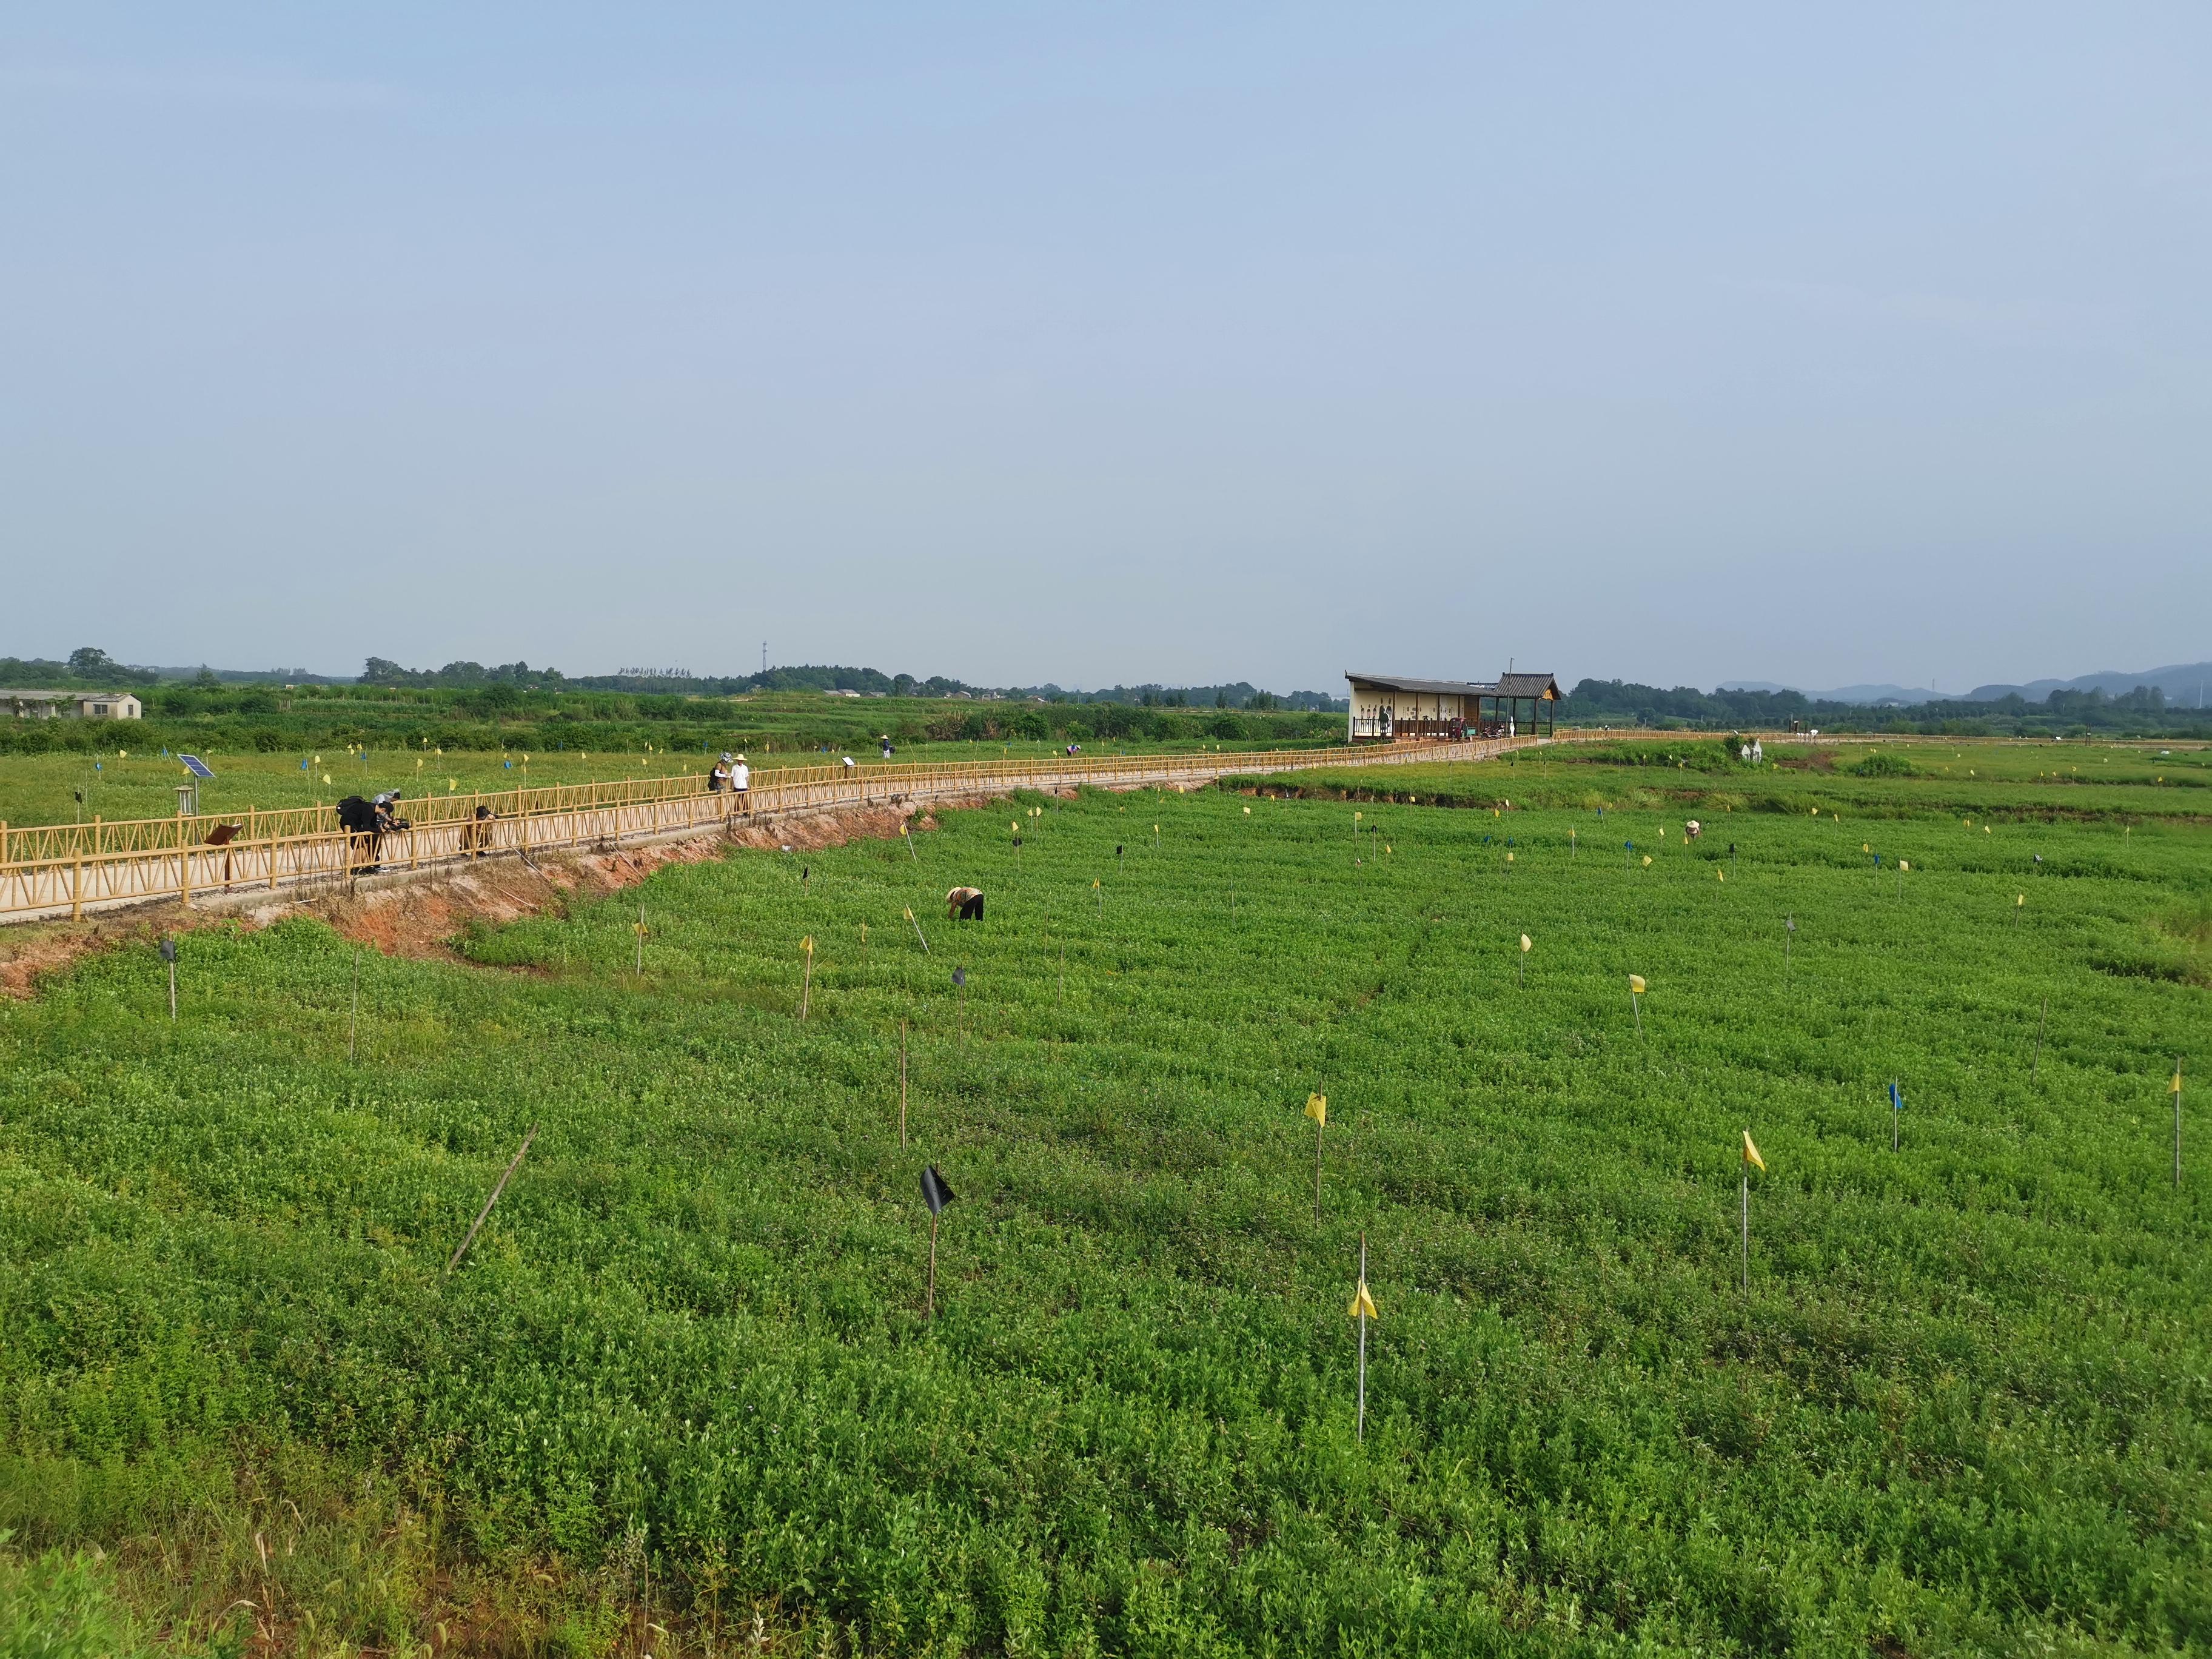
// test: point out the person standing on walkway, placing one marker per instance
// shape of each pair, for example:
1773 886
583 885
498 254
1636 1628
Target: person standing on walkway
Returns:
741 780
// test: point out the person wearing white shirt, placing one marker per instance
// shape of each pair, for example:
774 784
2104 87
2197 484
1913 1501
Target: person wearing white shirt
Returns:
741 780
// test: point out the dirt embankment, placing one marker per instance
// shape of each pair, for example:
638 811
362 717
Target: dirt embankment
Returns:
422 916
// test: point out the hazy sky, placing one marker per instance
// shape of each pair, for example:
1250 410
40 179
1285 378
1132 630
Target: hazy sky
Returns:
1679 343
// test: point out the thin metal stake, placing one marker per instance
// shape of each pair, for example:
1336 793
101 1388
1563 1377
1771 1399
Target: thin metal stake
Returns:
1746 1229
929 1311
901 1083
353 1025
2036 1064
1362 1431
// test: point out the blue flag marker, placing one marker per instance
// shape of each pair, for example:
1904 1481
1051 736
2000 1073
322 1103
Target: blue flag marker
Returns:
303 766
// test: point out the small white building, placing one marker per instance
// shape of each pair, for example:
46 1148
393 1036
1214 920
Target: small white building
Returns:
71 705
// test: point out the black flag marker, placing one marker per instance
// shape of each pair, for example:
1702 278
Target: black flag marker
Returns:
934 1191
168 950
959 975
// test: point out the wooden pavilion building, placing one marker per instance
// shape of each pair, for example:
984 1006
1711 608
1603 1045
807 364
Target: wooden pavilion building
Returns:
1386 708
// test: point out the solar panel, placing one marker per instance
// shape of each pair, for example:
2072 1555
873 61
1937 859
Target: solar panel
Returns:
195 766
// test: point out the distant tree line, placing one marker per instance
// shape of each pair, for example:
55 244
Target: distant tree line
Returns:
1622 702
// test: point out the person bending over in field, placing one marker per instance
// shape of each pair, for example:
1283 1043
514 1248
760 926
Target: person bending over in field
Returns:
964 904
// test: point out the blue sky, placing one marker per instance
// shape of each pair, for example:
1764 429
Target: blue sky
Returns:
1810 344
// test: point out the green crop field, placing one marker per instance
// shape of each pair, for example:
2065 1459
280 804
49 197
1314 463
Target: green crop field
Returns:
680 1396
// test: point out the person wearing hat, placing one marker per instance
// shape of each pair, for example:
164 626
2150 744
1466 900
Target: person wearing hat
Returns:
718 779
741 780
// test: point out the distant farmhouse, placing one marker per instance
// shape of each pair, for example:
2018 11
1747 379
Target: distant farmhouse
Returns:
72 705
1386 708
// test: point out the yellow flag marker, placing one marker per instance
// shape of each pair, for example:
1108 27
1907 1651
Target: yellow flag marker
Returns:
2174 1087
1363 1304
1636 984
1317 1108
326 777
319 760
1647 860
1903 865
1525 946
1985 828
1751 1152
1723 874
452 784
1248 811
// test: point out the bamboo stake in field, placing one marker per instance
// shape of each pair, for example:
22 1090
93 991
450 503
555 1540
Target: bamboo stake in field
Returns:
169 956
1362 1310
960 993
1636 988
806 983
909 839
1101 893
1523 963
1750 1156
2019 903
353 1023
1317 1109
1789 933
640 941
2041 1020
901 1083
1896 1111
918 933
492 1200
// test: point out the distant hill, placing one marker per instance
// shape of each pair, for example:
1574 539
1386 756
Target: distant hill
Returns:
1858 694
2186 685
